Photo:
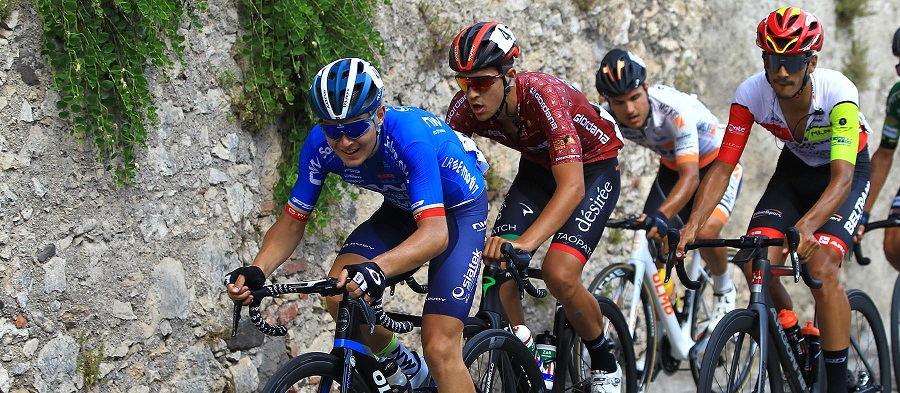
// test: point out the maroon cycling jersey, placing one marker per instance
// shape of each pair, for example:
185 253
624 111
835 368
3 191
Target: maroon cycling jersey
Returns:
559 125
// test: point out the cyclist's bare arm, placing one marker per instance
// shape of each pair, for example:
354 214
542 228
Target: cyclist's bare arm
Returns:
279 243
710 192
835 194
684 189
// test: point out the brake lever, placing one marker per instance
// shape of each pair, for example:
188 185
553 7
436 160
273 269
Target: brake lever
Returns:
236 317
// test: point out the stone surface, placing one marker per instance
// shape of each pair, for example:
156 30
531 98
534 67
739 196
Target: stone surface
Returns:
140 268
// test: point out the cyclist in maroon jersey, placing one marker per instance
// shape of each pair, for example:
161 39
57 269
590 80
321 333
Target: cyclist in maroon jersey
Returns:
568 178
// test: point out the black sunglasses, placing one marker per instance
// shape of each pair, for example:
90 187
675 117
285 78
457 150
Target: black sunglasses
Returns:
791 63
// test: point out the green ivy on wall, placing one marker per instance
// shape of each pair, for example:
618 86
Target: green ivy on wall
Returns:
284 43
98 51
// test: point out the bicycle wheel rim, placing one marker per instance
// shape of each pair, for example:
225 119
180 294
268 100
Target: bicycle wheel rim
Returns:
868 361
311 373
498 362
895 330
612 283
731 361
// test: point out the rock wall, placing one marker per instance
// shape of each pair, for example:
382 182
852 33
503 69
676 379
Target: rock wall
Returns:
134 273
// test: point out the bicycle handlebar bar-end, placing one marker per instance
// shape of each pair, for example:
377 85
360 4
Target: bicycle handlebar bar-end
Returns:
858 253
674 237
415 286
801 270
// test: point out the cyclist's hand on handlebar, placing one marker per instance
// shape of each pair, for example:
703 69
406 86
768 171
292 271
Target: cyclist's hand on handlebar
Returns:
808 244
492 248
861 227
241 280
366 278
659 225
688 234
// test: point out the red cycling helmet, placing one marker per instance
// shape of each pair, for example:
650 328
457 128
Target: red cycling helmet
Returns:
789 30
483 45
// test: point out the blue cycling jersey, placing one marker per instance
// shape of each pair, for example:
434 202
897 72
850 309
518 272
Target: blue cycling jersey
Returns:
421 165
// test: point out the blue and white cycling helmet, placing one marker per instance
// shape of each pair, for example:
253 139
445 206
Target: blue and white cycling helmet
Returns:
346 88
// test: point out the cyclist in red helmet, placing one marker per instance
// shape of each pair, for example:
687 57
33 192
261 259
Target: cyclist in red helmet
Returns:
568 178
881 165
815 113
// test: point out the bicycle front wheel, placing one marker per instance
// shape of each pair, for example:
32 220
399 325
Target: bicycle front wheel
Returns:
498 362
895 329
868 360
731 361
616 283
312 373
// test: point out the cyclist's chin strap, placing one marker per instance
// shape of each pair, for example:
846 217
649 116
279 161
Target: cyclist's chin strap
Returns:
507 88
805 81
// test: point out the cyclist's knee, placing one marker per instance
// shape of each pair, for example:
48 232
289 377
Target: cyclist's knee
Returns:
562 287
892 246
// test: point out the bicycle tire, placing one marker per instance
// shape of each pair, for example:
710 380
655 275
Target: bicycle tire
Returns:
643 322
700 315
895 330
576 376
499 363
869 351
734 330
312 372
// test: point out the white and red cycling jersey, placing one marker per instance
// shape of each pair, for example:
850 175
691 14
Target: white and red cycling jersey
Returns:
834 128
679 128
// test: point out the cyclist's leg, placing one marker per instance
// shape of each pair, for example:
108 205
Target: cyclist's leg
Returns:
527 196
892 237
452 282
569 251
777 210
717 258
832 305
384 230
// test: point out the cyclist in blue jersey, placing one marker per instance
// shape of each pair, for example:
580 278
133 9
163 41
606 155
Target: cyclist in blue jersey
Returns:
434 209
881 165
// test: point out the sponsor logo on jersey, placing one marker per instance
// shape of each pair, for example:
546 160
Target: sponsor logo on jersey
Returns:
470 277
589 215
544 108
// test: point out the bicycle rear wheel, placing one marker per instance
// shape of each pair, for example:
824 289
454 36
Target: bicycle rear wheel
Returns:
576 377
499 363
731 361
868 360
616 283
312 373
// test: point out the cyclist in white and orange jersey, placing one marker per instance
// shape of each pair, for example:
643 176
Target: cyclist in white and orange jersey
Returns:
686 137
822 176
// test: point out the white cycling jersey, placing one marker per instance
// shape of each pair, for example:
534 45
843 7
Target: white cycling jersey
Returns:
679 129
830 133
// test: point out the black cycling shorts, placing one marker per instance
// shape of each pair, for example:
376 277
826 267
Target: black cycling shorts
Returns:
665 182
795 187
532 189
454 274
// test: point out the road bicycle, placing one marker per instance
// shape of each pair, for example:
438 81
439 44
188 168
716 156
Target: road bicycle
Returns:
754 332
351 366
893 221
664 333
572 367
